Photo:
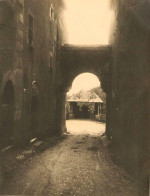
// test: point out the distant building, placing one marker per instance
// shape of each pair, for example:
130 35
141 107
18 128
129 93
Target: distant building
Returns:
84 104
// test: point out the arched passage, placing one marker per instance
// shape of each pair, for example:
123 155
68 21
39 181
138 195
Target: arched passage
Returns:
74 61
86 100
7 123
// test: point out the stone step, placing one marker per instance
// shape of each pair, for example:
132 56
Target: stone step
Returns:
6 148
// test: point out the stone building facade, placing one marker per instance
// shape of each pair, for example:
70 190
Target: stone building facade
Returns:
30 39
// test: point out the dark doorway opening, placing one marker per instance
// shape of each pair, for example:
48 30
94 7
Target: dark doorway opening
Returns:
7 106
34 108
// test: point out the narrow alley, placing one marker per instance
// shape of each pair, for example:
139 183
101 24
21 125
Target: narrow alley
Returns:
45 47
79 165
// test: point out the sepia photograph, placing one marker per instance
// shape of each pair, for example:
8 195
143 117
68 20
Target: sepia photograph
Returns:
75 97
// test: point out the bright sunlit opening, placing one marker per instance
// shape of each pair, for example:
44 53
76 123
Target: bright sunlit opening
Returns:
85 81
88 22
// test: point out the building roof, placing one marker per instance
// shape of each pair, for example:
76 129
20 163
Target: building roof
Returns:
85 96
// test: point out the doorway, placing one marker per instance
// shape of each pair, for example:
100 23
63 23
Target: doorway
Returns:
7 108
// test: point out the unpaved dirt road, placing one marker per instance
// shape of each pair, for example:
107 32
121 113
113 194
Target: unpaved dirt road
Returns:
77 166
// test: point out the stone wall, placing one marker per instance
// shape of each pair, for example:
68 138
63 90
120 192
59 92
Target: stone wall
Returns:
129 93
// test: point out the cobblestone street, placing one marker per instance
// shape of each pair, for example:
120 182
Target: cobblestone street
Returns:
79 165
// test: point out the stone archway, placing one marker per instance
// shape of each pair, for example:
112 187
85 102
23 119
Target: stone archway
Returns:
7 113
61 95
75 74
86 93
75 60
79 59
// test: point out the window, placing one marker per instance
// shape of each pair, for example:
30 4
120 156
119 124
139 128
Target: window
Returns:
51 12
30 30
51 61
